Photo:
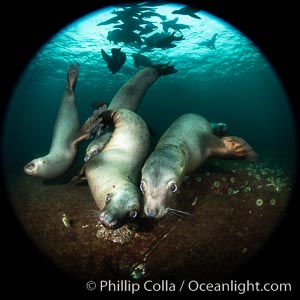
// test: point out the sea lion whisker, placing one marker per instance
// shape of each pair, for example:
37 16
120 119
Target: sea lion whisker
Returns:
94 212
180 211
173 213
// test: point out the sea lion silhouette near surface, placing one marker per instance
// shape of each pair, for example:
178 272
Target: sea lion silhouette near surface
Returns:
115 61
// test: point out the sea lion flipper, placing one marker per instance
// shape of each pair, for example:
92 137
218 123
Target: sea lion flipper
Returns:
219 129
165 69
93 126
105 56
232 147
72 76
80 175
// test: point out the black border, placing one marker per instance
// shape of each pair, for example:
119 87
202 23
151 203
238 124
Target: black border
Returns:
27 25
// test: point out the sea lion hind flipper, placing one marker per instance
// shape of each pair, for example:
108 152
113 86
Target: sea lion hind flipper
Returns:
165 69
72 76
232 147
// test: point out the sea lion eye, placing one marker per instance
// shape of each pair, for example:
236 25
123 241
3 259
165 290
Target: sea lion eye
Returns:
133 214
108 198
142 186
173 187
95 152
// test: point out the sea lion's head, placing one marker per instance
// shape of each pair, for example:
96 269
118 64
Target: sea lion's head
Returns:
121 206
37 167
45 167
96 145
91 151
157 198
159 184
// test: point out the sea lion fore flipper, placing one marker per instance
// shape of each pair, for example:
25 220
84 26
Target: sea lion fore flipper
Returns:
232 147
80 176
105 56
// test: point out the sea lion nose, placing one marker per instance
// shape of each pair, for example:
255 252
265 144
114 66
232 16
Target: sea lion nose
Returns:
106 219
152 212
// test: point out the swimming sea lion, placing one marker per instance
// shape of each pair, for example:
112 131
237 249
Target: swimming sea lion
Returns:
210 43
114 173
185 146
64 143
187 11
115 61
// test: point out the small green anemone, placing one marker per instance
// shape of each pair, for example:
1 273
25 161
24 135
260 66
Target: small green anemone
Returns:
259 202
216 184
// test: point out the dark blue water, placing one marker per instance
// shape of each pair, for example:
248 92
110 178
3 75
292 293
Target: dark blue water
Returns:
233 83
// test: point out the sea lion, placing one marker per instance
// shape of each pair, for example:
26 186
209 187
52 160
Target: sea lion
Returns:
115 61
187 11
174 26
185 146
210 43
64 142
114 173
129 97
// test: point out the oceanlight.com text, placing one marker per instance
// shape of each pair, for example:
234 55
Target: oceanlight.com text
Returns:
191 286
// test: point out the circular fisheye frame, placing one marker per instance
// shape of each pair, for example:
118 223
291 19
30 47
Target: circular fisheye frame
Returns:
200 64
